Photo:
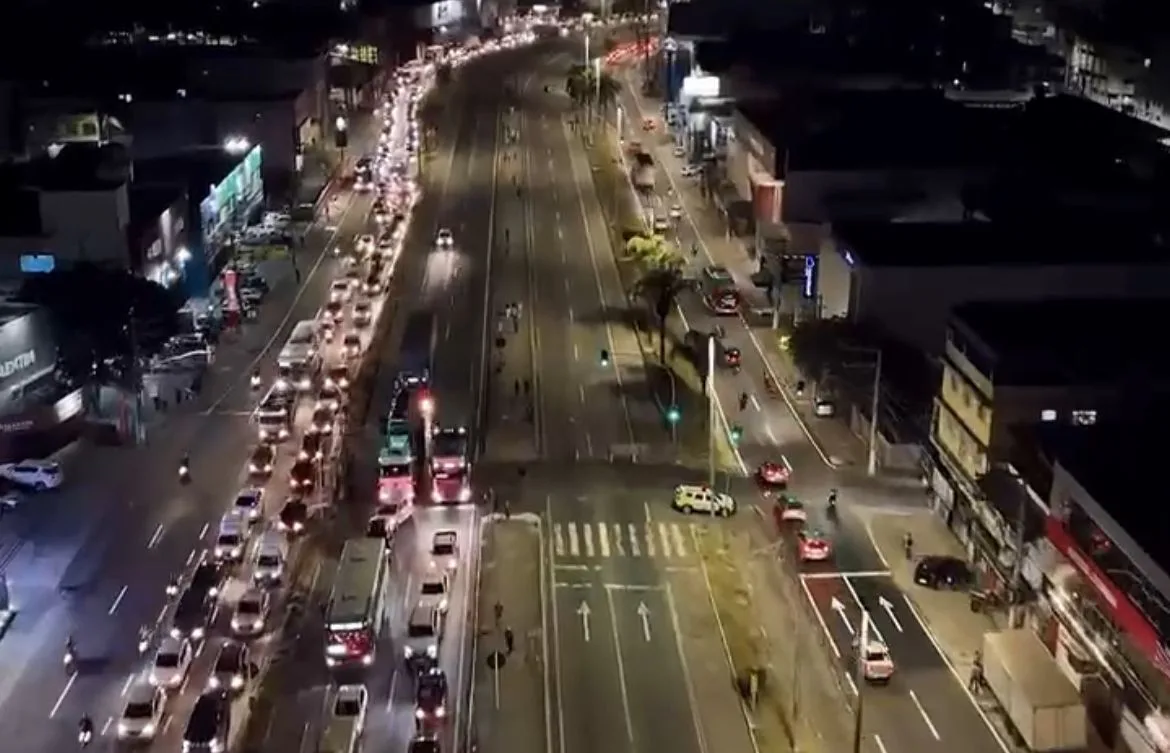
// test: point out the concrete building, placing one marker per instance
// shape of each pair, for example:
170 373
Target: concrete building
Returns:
160 98
1101 570
79 203
906 277
1011 364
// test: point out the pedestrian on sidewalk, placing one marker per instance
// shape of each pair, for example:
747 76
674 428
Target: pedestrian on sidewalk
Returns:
527 387
509 640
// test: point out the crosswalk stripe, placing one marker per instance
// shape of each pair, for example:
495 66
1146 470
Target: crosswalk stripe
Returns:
604 540
680 545
664 532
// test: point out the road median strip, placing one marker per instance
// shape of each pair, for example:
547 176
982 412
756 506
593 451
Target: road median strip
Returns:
678 381
733 601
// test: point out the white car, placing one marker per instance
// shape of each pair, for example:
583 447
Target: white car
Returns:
172 661
679 151
690 171
251 613
340 290
33 474
364 244
350 704
877 667
445 550
444 239
142 715
702 499
434 589
676 212
661 224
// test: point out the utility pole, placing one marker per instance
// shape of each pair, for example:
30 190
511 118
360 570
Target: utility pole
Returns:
1015 588
871 460
709 381
135 380
859 680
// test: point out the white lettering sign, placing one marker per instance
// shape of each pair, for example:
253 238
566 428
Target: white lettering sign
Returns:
17 363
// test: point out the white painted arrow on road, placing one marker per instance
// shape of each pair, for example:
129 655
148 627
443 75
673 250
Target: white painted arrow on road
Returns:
888 605
644 613
584 611
839 608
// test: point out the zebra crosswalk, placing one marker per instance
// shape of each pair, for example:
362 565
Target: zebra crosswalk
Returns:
605 540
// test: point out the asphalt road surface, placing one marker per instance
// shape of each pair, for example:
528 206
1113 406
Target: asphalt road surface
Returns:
621 651
97 564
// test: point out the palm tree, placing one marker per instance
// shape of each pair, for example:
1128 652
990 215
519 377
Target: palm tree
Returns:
660 287
606 91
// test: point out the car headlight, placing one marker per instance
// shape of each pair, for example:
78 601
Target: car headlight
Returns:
441 712
298 526
236 624
176 633
253 468
420 714
408 652
213 682
367 660
443 605
432 651
237 682
236 551
465 494
197 633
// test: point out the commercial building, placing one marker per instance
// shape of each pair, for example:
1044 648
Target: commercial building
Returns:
1100 568
37 414
905 277
1012 364
78 203
227 191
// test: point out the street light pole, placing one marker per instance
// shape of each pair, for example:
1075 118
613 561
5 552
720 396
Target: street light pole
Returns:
710 386
859 680
871 460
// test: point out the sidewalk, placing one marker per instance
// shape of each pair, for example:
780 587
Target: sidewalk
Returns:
508 702
956 630
843 448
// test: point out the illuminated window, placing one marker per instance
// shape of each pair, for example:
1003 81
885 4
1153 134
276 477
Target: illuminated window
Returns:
1048 415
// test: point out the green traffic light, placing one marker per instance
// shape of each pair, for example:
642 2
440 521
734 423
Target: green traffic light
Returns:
673 414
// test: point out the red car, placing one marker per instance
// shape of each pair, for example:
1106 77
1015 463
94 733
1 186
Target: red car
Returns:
774 475
814 546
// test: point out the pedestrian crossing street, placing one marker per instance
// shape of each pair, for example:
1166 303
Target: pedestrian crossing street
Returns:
662 540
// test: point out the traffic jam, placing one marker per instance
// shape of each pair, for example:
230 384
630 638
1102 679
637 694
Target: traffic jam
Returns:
204 658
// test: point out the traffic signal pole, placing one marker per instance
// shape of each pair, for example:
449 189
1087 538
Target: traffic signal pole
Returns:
710 386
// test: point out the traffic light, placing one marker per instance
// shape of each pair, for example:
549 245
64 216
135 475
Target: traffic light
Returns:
604 357
673 414
736 434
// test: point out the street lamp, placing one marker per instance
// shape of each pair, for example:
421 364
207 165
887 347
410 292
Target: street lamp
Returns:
710 389
875 403
236 145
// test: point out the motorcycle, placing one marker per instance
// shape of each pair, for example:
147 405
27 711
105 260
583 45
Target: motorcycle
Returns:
84 737
255 382
184 474
69 660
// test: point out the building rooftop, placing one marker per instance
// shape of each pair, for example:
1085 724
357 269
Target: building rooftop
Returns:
1054 241
194 170
864 129
1064 342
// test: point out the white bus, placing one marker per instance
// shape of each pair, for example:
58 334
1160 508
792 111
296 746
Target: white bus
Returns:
300 355
357 605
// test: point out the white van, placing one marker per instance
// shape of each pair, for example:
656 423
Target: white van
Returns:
299 355
270 558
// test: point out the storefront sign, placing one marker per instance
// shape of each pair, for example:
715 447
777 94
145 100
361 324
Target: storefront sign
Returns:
1123 611
18 363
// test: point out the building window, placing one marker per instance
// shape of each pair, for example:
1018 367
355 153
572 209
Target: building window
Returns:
1048 415
1084 417
983 413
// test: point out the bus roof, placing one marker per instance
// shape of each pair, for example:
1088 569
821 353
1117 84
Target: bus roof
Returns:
357 581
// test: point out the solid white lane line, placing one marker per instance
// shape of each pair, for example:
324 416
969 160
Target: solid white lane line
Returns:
155 537
61 698
925 716
117 601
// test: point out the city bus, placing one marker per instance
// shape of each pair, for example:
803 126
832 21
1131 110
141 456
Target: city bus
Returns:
718 290
300 357
450 465
357 605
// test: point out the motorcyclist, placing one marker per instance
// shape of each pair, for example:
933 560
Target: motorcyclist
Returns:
832 499
85 729
908 544
255 380
185 465
70 647
743 401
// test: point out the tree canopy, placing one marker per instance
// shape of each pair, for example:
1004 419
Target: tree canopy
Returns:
653 252
587 90
100 317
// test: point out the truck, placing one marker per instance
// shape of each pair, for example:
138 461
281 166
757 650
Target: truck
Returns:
642 172
1041 702
417 350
